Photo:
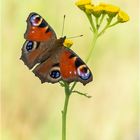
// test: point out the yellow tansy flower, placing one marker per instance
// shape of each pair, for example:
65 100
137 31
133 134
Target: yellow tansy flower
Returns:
97 10
111 10
89 8
103 5
81 3
68 43
123 17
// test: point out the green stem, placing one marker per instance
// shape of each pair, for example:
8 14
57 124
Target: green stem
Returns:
89 16
107 26
93 46
114 24
64 112
101 20
97 20
74 84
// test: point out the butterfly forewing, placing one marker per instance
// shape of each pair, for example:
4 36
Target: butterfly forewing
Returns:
38 29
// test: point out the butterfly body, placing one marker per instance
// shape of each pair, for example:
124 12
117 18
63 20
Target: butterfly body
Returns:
52 60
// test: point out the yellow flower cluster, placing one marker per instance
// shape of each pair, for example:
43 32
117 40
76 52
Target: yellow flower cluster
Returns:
81 3
111 10
102 8
123 17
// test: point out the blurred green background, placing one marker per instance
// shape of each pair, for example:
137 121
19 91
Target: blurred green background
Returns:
32 111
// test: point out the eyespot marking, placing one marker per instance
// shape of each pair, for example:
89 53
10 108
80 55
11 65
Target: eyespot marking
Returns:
83 72
36 20
30 45
54 74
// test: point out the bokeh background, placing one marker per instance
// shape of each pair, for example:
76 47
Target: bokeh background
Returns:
32 111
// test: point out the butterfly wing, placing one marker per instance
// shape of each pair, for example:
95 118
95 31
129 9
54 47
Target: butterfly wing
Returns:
35 52
38 29
40 39
65 65
55 62
73 68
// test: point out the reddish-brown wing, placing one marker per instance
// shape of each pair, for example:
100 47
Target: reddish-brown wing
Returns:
40 39
38 29
65 65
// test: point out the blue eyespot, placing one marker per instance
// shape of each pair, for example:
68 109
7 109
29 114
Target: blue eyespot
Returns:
29 46
83 72
55 74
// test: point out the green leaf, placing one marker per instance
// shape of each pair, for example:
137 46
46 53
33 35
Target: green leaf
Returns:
83 94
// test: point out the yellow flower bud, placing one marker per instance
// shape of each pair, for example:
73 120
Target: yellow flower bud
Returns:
68 43
123 17
81 3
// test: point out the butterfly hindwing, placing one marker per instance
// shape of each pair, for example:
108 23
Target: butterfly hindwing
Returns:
73 68
49 70
38 29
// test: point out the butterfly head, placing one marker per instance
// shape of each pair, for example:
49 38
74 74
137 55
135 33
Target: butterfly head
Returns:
59 42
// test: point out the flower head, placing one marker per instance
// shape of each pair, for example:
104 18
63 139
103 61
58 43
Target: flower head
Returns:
81 3
123 17
111 10
103 5
97 10
68 43
89 8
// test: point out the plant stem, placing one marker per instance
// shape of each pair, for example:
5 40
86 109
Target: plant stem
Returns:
97 22
91 21
114 24
74 84
107 26
93 46
64 112
101 20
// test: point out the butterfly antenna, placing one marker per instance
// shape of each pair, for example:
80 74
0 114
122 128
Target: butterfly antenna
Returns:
63 25
74 36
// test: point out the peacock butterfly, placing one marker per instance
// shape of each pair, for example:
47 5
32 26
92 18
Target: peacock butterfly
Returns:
52 60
